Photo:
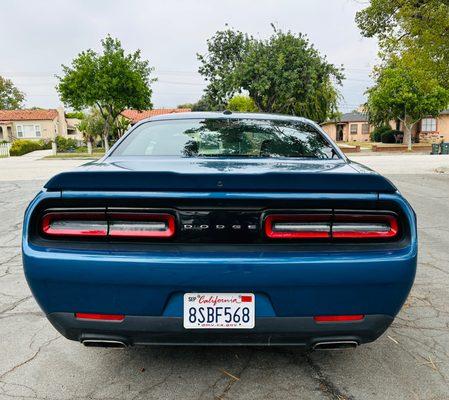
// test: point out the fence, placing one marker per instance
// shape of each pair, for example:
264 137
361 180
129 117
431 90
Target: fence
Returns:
4 149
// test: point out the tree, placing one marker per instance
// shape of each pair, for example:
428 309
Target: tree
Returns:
413 29
92 127
205 103
186 105
112 81
241 104
226 50
122 124
283 74
75 115
11 98
407 93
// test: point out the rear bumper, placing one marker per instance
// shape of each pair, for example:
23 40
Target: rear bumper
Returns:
298 331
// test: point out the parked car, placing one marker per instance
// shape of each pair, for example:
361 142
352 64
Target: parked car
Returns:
220 228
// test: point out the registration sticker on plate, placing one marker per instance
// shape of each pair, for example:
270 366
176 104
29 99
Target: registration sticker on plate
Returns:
219 311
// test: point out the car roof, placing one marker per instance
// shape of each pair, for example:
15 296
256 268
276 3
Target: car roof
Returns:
226 115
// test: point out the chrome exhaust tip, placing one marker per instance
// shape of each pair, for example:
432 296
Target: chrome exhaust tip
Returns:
335 345
104 343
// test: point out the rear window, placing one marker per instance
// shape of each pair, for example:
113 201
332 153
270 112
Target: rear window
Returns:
226 138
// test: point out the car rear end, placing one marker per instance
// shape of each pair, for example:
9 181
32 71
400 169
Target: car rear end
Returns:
319 253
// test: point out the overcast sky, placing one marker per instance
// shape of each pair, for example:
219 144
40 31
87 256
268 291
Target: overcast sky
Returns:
36 37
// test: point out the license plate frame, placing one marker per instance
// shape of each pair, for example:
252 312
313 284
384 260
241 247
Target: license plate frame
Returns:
219 311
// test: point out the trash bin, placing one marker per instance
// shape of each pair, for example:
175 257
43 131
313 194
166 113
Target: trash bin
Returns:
445 148
435 148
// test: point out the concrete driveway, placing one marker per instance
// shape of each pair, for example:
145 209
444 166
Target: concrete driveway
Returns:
411 361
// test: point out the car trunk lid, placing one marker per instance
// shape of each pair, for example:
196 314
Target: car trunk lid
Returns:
194 174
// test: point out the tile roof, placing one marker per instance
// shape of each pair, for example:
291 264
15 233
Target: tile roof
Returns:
28 115
136 115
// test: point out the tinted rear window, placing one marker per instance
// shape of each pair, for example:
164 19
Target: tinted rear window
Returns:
226 138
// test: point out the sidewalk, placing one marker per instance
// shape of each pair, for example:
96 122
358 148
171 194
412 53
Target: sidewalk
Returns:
406 164
31 167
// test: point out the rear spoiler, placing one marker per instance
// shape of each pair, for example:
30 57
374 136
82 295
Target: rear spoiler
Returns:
173 181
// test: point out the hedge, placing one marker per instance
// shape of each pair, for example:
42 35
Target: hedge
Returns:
23 146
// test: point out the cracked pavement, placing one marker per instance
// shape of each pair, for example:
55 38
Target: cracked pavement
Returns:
410 361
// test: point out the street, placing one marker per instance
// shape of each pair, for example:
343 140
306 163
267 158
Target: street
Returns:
410 361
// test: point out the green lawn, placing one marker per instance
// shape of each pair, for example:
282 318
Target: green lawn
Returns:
74 156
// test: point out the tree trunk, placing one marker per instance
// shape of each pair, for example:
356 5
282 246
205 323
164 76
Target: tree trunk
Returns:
106 143
89 147
408 135
106 134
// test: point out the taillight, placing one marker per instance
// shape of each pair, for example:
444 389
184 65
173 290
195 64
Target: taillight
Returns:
114 225
286 226
142 225
359 226
331 226
74 224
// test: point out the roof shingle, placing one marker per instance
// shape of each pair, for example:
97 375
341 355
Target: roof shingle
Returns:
28 115
136 115
354 116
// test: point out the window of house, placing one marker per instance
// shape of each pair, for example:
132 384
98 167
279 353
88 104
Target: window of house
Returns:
354 129
37 130
29 131
365 129
429 125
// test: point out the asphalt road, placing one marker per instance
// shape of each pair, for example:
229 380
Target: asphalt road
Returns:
411 361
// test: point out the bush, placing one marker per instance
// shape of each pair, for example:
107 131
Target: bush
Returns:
390 136
45 144
241 103
376 134
64 145
81 149
22 146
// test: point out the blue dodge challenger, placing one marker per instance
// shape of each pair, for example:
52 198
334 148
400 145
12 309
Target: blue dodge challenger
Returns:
221 228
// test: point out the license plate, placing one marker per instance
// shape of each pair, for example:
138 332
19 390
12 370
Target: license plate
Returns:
219 311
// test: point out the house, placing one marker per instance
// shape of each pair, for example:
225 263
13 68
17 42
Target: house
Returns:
72 130
135 115
354 127
32 124
433 130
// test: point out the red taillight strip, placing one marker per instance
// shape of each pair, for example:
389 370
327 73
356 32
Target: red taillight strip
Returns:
141 225
126 225
360 226
100 317
338 318
338 226
282 226
70 224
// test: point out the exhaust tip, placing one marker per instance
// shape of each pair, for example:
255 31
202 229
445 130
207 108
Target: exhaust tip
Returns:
336 345
104 343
